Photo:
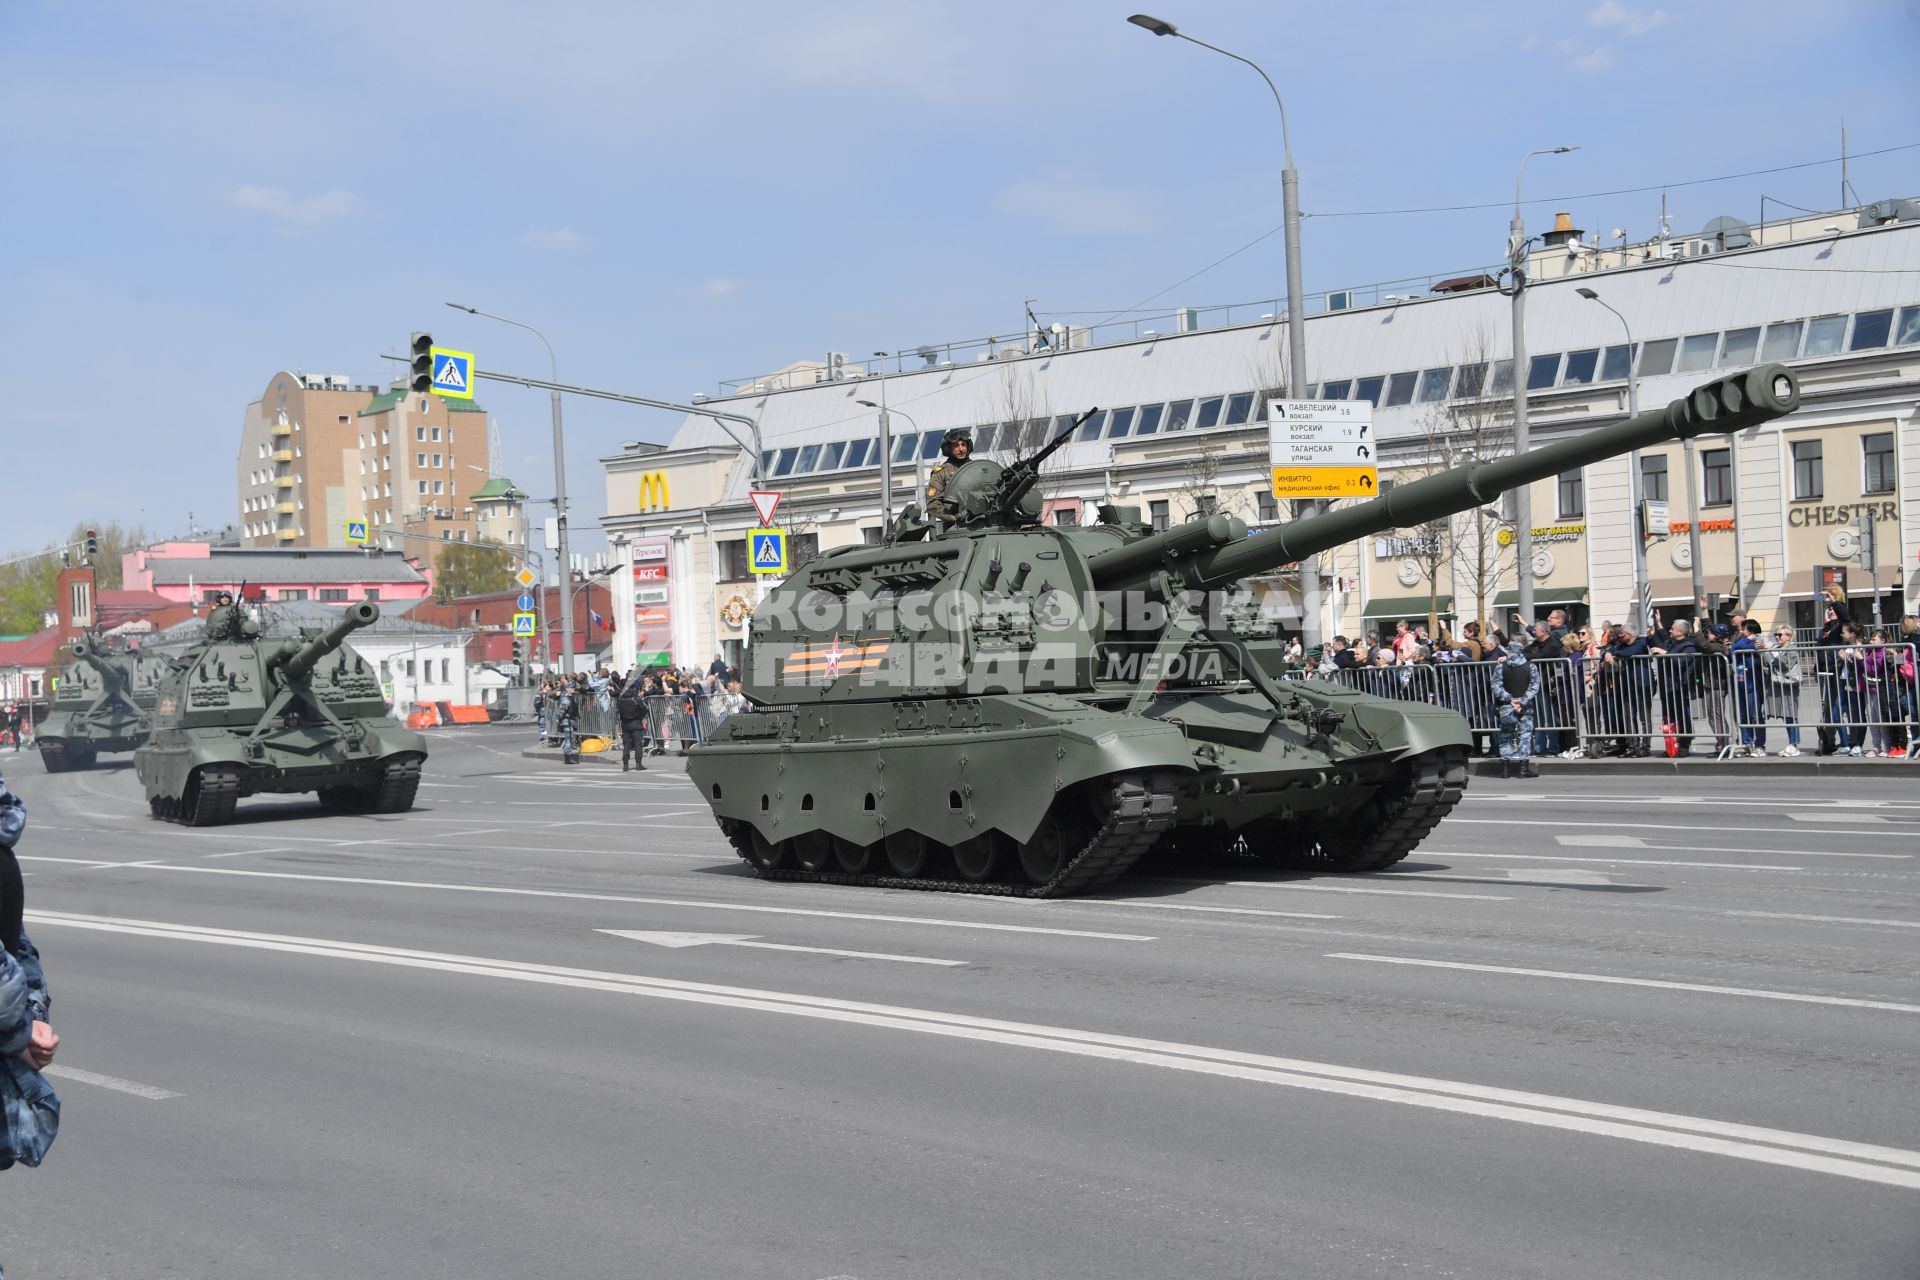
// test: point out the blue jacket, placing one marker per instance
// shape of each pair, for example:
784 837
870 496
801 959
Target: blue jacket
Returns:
29 1111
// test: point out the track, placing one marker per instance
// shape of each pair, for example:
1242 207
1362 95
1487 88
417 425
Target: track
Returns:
1137 813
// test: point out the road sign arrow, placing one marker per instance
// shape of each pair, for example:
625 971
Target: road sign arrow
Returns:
679 940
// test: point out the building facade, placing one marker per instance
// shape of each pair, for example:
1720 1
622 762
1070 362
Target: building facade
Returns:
1182 431
193 573
317 452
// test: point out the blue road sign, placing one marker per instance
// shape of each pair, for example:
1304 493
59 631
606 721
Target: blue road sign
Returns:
767 550
523 624
357 531
525 602
453 373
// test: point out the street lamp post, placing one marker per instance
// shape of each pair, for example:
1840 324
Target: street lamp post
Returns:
1636 483
886 453
559 488
1296 304
1523 497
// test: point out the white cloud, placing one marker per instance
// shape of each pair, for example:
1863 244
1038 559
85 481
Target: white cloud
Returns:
1072 202
1627 20
560 240
297 214
720 288
1592 61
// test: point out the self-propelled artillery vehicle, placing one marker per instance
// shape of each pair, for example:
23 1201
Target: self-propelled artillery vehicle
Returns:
238 715
104 702
1004 707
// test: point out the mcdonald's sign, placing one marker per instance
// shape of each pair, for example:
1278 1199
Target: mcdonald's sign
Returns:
654 493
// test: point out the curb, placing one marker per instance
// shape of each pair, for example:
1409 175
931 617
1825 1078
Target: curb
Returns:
1801 766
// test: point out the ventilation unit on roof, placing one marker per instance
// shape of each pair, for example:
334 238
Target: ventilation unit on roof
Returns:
1340 300
836 365
1881 212
1186 319
931 356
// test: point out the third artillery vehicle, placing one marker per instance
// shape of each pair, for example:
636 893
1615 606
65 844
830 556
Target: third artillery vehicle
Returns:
104 702
1008 707
238 715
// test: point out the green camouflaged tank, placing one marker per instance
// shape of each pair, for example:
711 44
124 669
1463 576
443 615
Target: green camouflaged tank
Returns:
104 702
1001 706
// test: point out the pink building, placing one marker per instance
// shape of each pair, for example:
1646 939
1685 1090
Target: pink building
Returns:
194 572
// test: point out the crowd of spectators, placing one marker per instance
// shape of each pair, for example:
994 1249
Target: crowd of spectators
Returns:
677 706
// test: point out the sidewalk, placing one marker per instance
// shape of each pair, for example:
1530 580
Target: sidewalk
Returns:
1796 766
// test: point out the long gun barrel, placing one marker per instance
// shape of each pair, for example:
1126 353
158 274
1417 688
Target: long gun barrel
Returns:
1025 473
298 659
1215 559
113 676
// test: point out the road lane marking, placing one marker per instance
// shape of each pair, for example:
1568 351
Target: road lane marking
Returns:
1346 888
1621 862
1789 915
1571 797
1598 841
1753 992
1873 818
679 940
1665 828
1888 1166
653 902
1189 906
138 1090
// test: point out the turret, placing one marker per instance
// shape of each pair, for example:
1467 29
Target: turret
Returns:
297 659
112 675
1213 552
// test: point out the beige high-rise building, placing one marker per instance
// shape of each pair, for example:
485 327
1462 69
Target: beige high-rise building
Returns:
317 452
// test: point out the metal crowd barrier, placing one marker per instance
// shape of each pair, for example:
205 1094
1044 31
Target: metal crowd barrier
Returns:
675 721
1679 704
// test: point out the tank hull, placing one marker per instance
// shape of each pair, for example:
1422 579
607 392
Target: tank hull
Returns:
377 773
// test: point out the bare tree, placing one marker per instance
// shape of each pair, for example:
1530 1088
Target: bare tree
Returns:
1474 424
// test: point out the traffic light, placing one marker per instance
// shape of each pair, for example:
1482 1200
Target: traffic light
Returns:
93 546
420 370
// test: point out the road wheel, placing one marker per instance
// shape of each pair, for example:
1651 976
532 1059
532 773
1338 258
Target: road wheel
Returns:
852 858
813 851
908 854
1047 853
977 858
764 853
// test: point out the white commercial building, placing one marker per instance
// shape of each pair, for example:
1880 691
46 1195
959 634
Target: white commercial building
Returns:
1182 430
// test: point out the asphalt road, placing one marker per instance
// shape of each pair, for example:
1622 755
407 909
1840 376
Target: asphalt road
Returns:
1594 1028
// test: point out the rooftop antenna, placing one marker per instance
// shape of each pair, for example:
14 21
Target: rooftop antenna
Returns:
1039 330
1846 188
496 457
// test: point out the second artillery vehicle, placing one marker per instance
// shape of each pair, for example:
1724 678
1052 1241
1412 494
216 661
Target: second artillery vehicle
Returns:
104 702
238 715
1007 707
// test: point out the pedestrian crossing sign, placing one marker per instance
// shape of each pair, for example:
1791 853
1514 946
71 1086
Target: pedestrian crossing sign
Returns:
523 624
767 550
452 373
357 532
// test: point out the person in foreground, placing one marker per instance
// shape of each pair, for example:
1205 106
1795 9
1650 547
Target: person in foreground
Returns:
29 1111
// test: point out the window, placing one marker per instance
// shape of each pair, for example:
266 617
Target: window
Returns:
1740 347
1433 385
1876 452
1654 476
433 434
419 433
1656 357
1092 427
1909 330
1541 371
1473 380
342 419
1269 507
809 459
438 486
1239 409
986 437
1400 388
436 460
930 445
1696 352
830 455
1824 334
802 547
333 593
1616 363
733 560
420 460
1209 415
1871 329
371 593
383 435
783 461
870 536
1067 517
408 666
1581 366
1149 419
1179 414
1502 384
861 453
1369 389
903 447
1205 504
1157 514
1119 421
1716 474
1573 495
1808 480
423 488
1782 342
293 593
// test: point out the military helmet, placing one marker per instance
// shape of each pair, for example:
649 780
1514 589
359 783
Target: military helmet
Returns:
954 436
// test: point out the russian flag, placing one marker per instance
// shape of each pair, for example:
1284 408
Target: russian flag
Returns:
598 621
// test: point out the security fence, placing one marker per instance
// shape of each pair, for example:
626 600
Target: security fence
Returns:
1857 699
674 721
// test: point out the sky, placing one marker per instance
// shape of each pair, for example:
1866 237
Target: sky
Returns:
200 193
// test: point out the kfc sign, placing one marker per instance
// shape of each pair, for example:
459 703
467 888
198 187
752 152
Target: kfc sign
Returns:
649 573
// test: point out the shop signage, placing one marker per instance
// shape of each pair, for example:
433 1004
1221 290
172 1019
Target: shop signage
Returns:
1813 516
652 617
651 551
1706 526
650 595
649 573
1547 533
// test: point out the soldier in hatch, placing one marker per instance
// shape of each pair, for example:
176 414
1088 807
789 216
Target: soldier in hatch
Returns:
957 447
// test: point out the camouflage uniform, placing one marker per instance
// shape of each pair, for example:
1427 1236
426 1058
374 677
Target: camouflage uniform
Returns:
1515 680
29 1111
937 505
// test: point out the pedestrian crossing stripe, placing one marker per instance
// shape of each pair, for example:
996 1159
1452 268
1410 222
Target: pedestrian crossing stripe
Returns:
452 373
767 550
